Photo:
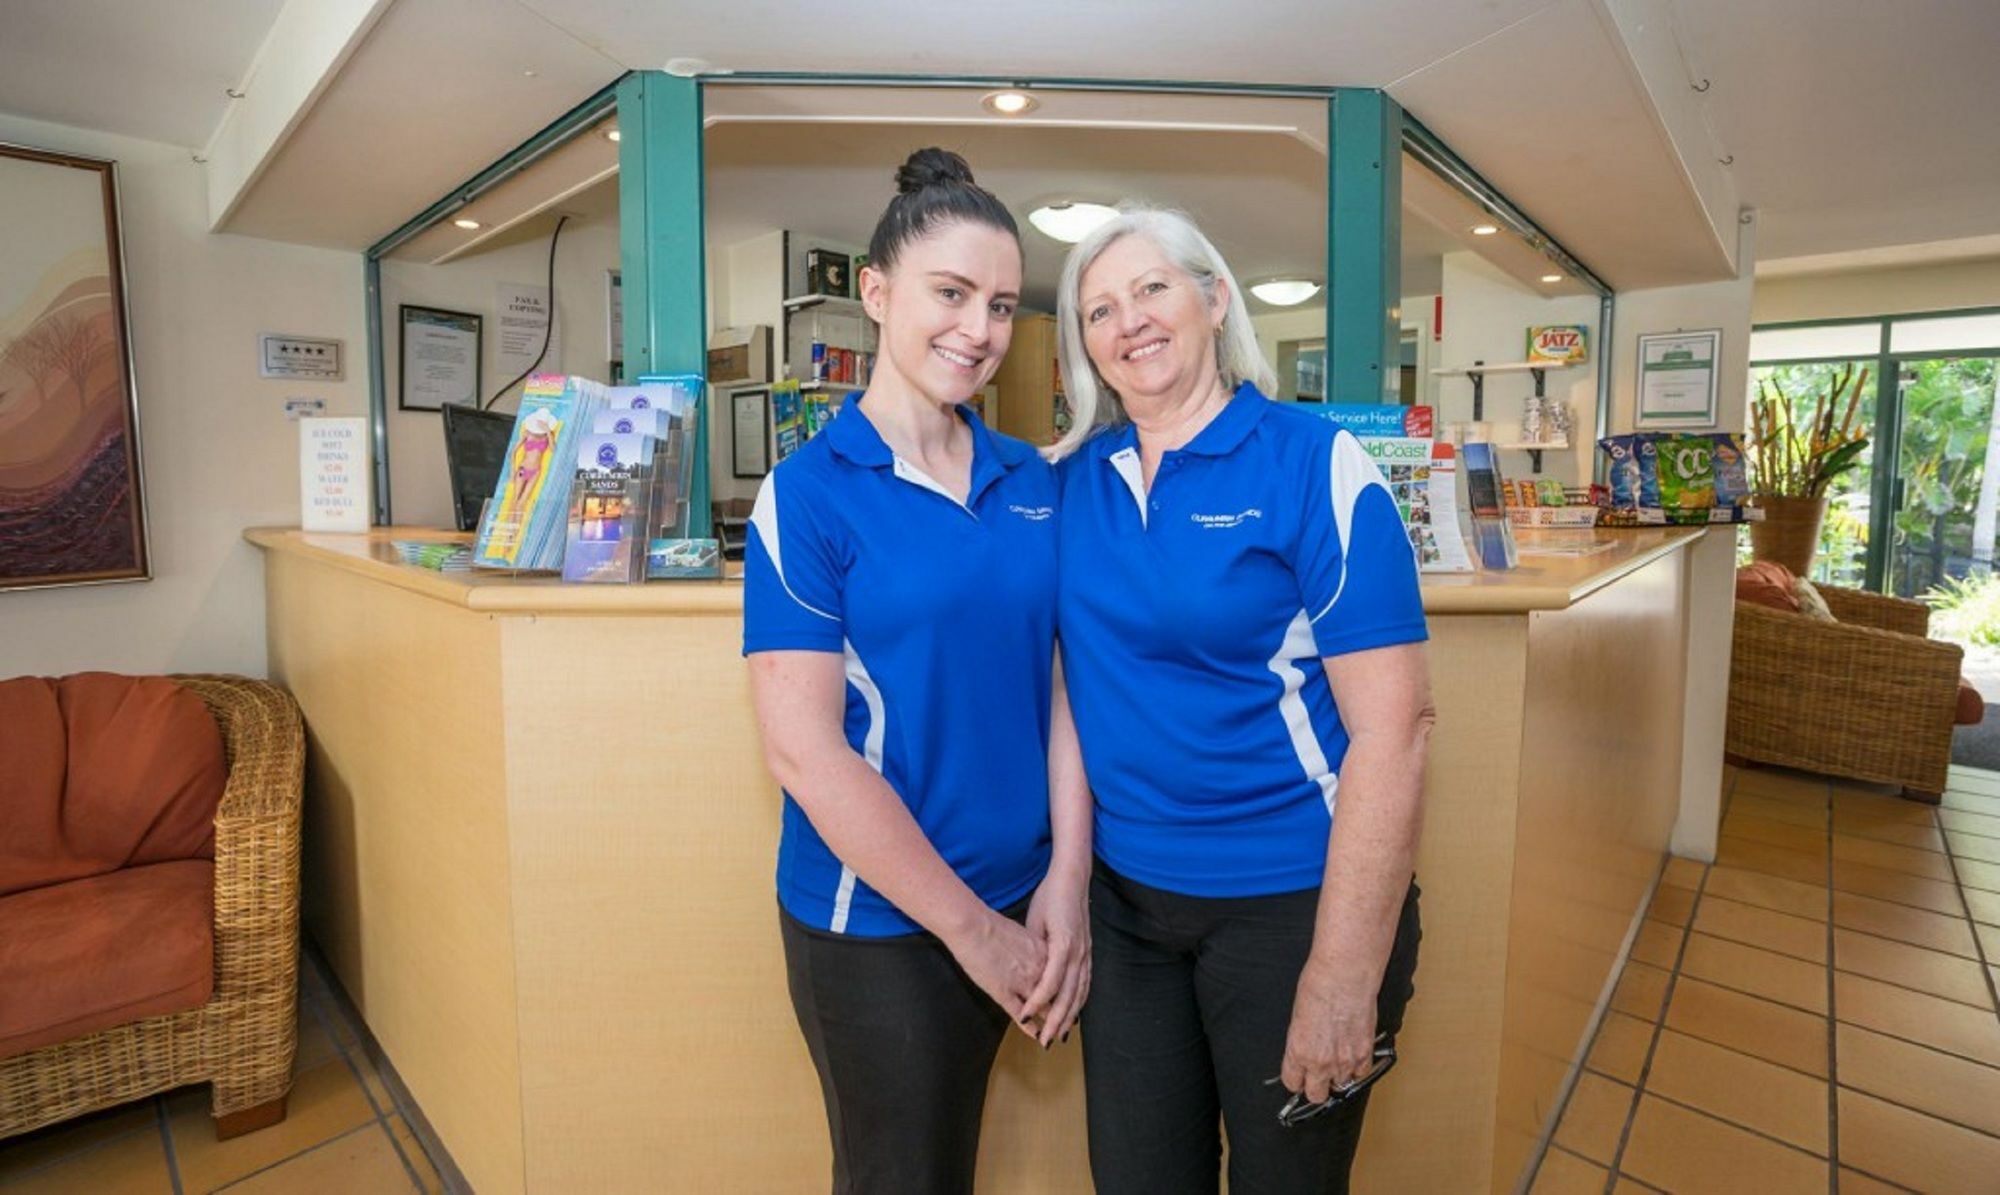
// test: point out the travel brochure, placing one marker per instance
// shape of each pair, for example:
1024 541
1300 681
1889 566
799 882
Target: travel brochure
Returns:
1421 472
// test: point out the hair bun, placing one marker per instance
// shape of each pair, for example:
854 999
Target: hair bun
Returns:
931 167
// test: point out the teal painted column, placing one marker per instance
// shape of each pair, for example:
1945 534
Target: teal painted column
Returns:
1364 245
662 234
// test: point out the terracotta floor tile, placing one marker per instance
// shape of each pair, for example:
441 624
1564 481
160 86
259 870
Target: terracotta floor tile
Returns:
1881 809
1931 971
1683 873
1671 904
363 1160
1796 936
1767 892
1594 1117
1965 821
1974 846
1563 1173
325 1102
1620 1048
1641 991
1759 972
1943 1085
32 1151
428 1179
132 1164
1923 837
1780 811
1919 927
1974 873
316 1044
1894 886
1853 1182
1969 1032
1680 1150
1658 944
1909 860
1627 1185
1809 839
1798 866
1774 1032
1985 906
1781 786
1917 1150
1747 1091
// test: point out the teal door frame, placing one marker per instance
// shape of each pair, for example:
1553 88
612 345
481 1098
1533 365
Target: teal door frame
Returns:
1364 246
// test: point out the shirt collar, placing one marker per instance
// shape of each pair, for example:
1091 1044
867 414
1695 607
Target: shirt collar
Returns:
854 437
1223 435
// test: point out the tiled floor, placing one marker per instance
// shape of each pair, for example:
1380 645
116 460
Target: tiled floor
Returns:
344 1133
1814 1013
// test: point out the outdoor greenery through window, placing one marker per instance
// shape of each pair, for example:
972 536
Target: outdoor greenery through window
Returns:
1842 558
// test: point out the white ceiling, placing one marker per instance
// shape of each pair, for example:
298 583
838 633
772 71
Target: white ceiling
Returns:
1855 126
159 70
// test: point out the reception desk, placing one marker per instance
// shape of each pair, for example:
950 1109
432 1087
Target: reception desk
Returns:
540 844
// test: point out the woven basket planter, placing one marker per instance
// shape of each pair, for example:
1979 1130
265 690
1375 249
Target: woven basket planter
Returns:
1789 533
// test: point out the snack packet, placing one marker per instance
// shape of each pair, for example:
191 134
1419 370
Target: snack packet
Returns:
1732 482
1686 469
1632 471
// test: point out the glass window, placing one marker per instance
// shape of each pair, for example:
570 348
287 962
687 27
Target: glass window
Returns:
1944 334
1836 341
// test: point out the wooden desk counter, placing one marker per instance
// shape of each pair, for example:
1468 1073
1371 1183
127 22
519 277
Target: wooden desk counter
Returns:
540 842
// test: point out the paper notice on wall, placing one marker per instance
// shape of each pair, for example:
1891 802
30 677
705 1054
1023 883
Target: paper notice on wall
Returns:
333 474
525 316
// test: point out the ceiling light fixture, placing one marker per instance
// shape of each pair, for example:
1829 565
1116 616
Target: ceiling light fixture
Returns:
1285 292
1070 222
1552 277
467 223
1485 230
611 134
1009 103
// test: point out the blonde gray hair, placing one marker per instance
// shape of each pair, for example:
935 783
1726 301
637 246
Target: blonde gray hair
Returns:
1093 404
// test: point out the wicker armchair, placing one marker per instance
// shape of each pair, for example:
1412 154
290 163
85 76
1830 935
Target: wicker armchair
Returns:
244 1039
1869 697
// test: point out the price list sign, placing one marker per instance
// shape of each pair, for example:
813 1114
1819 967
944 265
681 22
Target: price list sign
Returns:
333 474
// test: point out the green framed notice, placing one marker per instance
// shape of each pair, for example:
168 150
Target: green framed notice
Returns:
1677 379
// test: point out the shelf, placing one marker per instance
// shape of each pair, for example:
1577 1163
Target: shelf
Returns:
804 301
1477 369
1528 446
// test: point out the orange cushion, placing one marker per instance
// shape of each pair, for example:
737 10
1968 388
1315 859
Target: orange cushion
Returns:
83 956
127 771
1767 583
1971 706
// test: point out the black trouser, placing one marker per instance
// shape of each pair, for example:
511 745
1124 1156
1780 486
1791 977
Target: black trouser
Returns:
1190 1001
903 1041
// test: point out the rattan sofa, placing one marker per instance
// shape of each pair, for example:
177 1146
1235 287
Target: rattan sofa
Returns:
1867 697
242 1041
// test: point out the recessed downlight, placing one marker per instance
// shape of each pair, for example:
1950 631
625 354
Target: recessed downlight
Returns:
1009 103
1070 222
611 134
1485 230
1285 292
468 223
1552 277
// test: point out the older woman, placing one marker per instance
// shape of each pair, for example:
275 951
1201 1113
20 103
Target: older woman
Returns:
1243 643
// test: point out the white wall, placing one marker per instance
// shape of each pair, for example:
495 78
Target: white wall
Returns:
747 287
1711 592
420 490
1889 291
219 455
1487 315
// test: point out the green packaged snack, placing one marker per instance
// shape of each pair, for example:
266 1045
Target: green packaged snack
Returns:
1686 466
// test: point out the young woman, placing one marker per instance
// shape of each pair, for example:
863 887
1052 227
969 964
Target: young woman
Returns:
1243 637
899 616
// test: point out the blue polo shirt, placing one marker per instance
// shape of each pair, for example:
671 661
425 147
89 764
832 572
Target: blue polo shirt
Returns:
1193 621
945 614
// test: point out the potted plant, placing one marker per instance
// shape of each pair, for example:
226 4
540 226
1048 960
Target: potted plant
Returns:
1798 446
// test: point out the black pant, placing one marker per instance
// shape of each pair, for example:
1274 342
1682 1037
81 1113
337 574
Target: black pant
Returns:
1190 1001
903 1041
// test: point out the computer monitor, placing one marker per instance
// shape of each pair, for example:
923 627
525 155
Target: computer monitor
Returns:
475 452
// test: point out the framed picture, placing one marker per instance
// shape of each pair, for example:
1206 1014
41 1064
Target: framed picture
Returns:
750 432
440 358
71 509
1677 379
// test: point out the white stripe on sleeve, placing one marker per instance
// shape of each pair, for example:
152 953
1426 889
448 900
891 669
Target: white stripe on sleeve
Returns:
764 517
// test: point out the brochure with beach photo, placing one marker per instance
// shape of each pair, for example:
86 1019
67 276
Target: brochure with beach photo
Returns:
523 526
1421 473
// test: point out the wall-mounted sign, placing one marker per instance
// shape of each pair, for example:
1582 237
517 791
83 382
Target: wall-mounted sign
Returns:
1677 379
307 358
1559 344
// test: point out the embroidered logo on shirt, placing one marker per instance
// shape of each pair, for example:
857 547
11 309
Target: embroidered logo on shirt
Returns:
1034 514
1225 522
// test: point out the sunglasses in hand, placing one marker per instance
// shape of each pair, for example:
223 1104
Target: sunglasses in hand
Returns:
1298 1109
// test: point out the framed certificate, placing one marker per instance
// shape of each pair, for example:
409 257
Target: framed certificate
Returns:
1677 379
750 432
440 359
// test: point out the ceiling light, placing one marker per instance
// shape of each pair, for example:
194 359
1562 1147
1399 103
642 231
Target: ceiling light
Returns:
467 223
1285 292
1070 222
1485 230
1552 277
1009 103
611 134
